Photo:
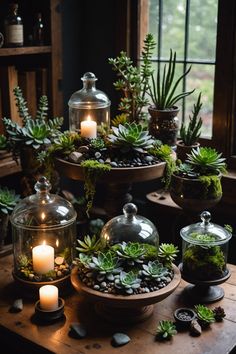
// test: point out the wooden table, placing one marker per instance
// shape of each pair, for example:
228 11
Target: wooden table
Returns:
22 335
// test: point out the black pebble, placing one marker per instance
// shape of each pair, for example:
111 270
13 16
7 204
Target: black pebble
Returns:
17 306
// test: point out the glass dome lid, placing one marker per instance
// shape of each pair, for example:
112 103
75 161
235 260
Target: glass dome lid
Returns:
130 228
205 232
43 210
89 97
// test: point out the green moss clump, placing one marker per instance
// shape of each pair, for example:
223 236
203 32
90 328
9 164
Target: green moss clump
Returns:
204 262
211 186
92 171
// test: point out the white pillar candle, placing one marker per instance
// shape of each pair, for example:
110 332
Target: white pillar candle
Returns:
43 259
48 297
88 128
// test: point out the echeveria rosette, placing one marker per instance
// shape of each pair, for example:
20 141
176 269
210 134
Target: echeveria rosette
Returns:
154 270
128 282
8 200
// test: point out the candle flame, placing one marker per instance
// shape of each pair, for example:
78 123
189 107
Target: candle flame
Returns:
89 118
43 216
44 242
57 242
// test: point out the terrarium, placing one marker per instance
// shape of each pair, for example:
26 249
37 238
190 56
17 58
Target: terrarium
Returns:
44 235
130 227
204 257
89 108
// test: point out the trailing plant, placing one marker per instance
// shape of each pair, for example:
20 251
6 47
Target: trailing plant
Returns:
190 133
167 253
131 136
92 171
205 315
166 330
163 90
165 153
8 200
134 81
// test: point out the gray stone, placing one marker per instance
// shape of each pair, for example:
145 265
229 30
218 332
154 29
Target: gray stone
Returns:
148 158
195 328
83 149
77 330
119 339
75 156
97 155
17 306
113 164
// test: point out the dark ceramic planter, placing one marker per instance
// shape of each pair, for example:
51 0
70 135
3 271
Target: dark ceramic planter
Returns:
182 150
189 194
164 124
184 316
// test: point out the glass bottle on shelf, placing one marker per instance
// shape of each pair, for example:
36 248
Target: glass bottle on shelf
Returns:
13 27
38 30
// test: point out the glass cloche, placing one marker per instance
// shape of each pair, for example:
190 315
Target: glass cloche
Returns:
130 227
89 108
204 250
44 235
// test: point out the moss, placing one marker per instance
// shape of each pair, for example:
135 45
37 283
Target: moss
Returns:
211 186
204 263
92 170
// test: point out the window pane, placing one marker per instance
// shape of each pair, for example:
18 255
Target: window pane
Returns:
201 78
173 27
202 29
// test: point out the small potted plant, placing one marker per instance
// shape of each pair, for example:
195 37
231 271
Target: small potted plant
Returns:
30 140
164 123
189 134
8 200
196 184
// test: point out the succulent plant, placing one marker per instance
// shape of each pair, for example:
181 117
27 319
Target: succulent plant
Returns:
3 142
165 330
167 253
191 133
154 270
8 200
186 170
36 133
205 315
95 226
97 143
89 244
131 251
23 260
106 263
163 90
219 313
206 161
131 136
84 260
119 119
128 282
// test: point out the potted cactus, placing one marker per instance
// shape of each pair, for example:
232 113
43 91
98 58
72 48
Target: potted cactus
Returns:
8 200
164 123
196 184
30 140
189 134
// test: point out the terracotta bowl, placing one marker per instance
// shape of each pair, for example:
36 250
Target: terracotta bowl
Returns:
125 308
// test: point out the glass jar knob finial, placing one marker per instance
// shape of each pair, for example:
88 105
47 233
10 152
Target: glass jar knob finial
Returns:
205 217
42 185
130 210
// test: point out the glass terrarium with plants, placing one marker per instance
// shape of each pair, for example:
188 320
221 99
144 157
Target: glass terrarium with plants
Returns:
44 233
205 250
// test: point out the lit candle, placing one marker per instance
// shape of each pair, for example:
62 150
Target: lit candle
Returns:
48 297
88 128
43 259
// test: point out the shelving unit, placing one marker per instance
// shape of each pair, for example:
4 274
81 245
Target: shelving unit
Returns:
43 61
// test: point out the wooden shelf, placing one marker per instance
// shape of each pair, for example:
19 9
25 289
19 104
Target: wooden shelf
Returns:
4 52
8 166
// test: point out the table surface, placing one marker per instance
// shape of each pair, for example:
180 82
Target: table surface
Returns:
21 329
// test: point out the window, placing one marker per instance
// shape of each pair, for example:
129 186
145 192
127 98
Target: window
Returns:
203 36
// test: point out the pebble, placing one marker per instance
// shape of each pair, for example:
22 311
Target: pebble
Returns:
83 149
59 260
75 156
97 155
119 339
195 328
96 287
77 330
148 158
113 164
103 284
17 306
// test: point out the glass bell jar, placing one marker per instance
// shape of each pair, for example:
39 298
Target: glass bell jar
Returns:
204 257
89 108
44 235
130 227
